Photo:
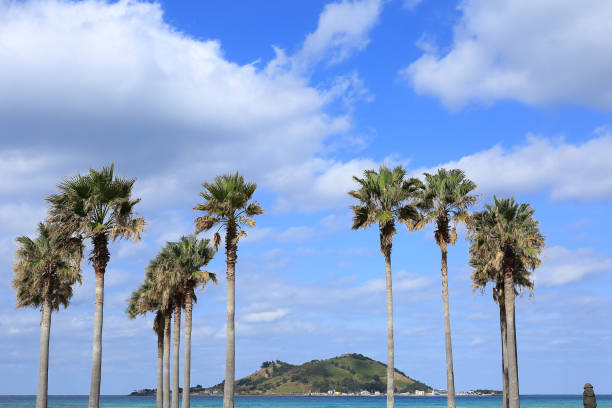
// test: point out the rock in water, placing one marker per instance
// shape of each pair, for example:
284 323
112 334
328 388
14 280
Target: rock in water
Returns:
588 396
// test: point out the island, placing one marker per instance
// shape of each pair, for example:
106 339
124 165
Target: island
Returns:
353 374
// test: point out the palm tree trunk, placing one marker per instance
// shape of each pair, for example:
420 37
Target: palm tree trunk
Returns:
390 346
43 365
504 346
230 342
187 363
450 373
167 331
515 348
159 395
175 355
513 391
96 362
230 347
100 258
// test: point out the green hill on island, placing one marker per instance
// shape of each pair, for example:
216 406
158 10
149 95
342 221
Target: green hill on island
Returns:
346 373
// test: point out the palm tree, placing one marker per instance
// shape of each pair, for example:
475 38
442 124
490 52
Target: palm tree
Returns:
184 260
169 299
97 206
46 269
445 202
506 247
384 198
143 300
227 206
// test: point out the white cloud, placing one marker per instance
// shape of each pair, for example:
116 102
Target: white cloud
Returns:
539 53
577 171
86 83
327 225
343 30
22 171
411 4
20 218
402 281
297 234
325 295
318 183
16 219
562 266
268 316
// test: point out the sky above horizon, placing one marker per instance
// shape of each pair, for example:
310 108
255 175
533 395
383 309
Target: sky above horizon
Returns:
299 99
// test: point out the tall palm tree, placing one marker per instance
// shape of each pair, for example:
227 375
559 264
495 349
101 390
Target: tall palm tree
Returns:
185 259
227 205
46 269
97 206
146 299
506 247
445 202
384 198
166 295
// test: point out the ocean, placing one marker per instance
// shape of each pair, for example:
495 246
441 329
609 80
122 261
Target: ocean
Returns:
109 401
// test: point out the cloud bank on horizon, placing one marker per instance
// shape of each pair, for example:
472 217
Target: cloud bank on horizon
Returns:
87 83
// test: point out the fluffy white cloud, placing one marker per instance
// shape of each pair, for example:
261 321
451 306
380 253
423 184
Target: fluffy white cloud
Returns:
343 30
317 183
562 266
577 171
86 83
539 53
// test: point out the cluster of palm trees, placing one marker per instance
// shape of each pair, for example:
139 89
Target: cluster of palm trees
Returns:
506 244
99 207
170 283
172 277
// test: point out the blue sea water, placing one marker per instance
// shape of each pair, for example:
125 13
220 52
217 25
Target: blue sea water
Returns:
527 401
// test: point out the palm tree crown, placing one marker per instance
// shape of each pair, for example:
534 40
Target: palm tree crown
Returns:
144 299
504 236
227 205
383 197
47 266
446 200
179 265
97 204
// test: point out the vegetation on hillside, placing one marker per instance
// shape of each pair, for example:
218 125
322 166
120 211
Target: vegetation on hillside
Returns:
345 373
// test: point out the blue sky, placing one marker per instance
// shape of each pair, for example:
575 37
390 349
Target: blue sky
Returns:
299 99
